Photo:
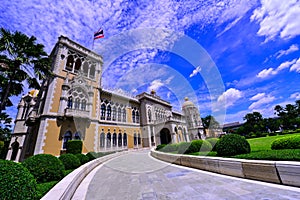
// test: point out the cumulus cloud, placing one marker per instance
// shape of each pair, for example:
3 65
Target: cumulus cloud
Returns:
195 72
277 18
295 95
155 85
271 71
292 48
230 96
296 66
260 100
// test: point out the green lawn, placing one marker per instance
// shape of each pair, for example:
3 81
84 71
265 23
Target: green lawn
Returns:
264 143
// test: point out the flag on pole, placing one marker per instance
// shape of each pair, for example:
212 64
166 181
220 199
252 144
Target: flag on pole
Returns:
99 34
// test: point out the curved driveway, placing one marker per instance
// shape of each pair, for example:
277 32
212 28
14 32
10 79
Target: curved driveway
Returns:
137 175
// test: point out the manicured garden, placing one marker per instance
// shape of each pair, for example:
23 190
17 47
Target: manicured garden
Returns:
35 176
279 147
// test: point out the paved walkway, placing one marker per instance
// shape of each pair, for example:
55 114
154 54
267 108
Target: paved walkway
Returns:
139 176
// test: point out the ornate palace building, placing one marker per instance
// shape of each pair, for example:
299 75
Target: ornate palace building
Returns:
73 105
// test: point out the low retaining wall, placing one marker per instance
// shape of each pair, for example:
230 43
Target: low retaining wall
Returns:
280 172
68 185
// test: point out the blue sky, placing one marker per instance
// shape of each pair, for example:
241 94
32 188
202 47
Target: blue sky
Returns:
230 57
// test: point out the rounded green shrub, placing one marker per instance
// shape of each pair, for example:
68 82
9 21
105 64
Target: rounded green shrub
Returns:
82 158
74 146
213 142
183 147
231 145
160 146
70 161
92 155
170 148
16 182
199 145
291 142
45 167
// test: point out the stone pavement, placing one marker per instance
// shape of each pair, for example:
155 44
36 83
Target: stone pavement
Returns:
139 176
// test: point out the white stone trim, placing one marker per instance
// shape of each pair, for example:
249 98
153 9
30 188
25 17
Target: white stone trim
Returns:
40 142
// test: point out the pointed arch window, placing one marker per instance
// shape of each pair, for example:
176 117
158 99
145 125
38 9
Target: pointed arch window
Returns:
137 116
114 113
92 71
119 114
124 115
149 115
124 139
102 140
133 116
77 65
83 104
108 139
70 63
67 136
77 135
120 139
85 69
103 110
70 102
77 103
108 112
114 139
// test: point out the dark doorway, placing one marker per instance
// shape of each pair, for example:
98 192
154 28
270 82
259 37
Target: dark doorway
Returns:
165 136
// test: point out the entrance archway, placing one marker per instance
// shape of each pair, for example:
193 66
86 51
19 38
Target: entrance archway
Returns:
165 136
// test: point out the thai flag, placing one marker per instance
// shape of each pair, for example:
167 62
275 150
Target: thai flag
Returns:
99 34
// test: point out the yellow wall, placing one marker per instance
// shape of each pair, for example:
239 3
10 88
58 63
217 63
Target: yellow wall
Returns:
56 96
52 143
88 143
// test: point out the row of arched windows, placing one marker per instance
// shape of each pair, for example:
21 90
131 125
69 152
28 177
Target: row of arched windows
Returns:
76 63
135 116
113 140
112 113
77 104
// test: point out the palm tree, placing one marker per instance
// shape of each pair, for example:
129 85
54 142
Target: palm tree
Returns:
21 59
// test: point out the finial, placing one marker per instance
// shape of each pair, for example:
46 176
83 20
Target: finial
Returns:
186 98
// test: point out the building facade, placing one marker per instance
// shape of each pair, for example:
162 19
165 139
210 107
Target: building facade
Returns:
74 105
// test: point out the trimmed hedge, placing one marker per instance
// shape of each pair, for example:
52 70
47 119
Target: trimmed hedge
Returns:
213 142
16 182
199 145
183 147
74 146
170 148
45 167
231 145
91 155
43 188
160 146
70 161
82 158
291 142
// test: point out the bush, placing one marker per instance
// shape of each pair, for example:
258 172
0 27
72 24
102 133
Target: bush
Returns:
91 155
70 161
272 134
160 146
82 158
16 182
183 147
43 188
1 146
292 142
199 145
45 167
213 142
74 146
170 148
232 144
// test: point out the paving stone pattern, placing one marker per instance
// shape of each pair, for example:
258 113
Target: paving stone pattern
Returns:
138 176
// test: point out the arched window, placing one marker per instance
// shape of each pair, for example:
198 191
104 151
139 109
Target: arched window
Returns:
103 110
114 113
77 103
15 148
102 140
77 135
114 139
70 102
124 115
120 139
77 65
66 138
134 139
108 112
85 69
92 71
124 139
137 116
139 139
70 63
149 115
83 104
108 139
119 114
133 116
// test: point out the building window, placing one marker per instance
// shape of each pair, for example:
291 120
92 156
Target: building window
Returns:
108 112
85 69
83 104
149 115
114 139
119 114
77 65
77 136
114 114
139 139
70 102
92 71
66 138
120 139
108 139
134 139
124 115
70 63
124 139
103 110
137 116
102 140
133 116
77 104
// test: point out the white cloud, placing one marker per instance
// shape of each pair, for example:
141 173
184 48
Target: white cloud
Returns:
230 96
291 49
261 99
155 85
296 66
271 71
195 71
257 97
277 18
295 95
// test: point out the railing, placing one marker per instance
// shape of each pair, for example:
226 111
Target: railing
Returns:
77 113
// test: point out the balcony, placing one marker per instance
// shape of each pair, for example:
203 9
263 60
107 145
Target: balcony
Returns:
77 113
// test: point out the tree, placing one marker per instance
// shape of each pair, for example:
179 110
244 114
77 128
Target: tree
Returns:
21 59
289 114
210 122
254 122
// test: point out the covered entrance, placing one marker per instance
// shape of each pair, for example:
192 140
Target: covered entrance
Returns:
165 136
